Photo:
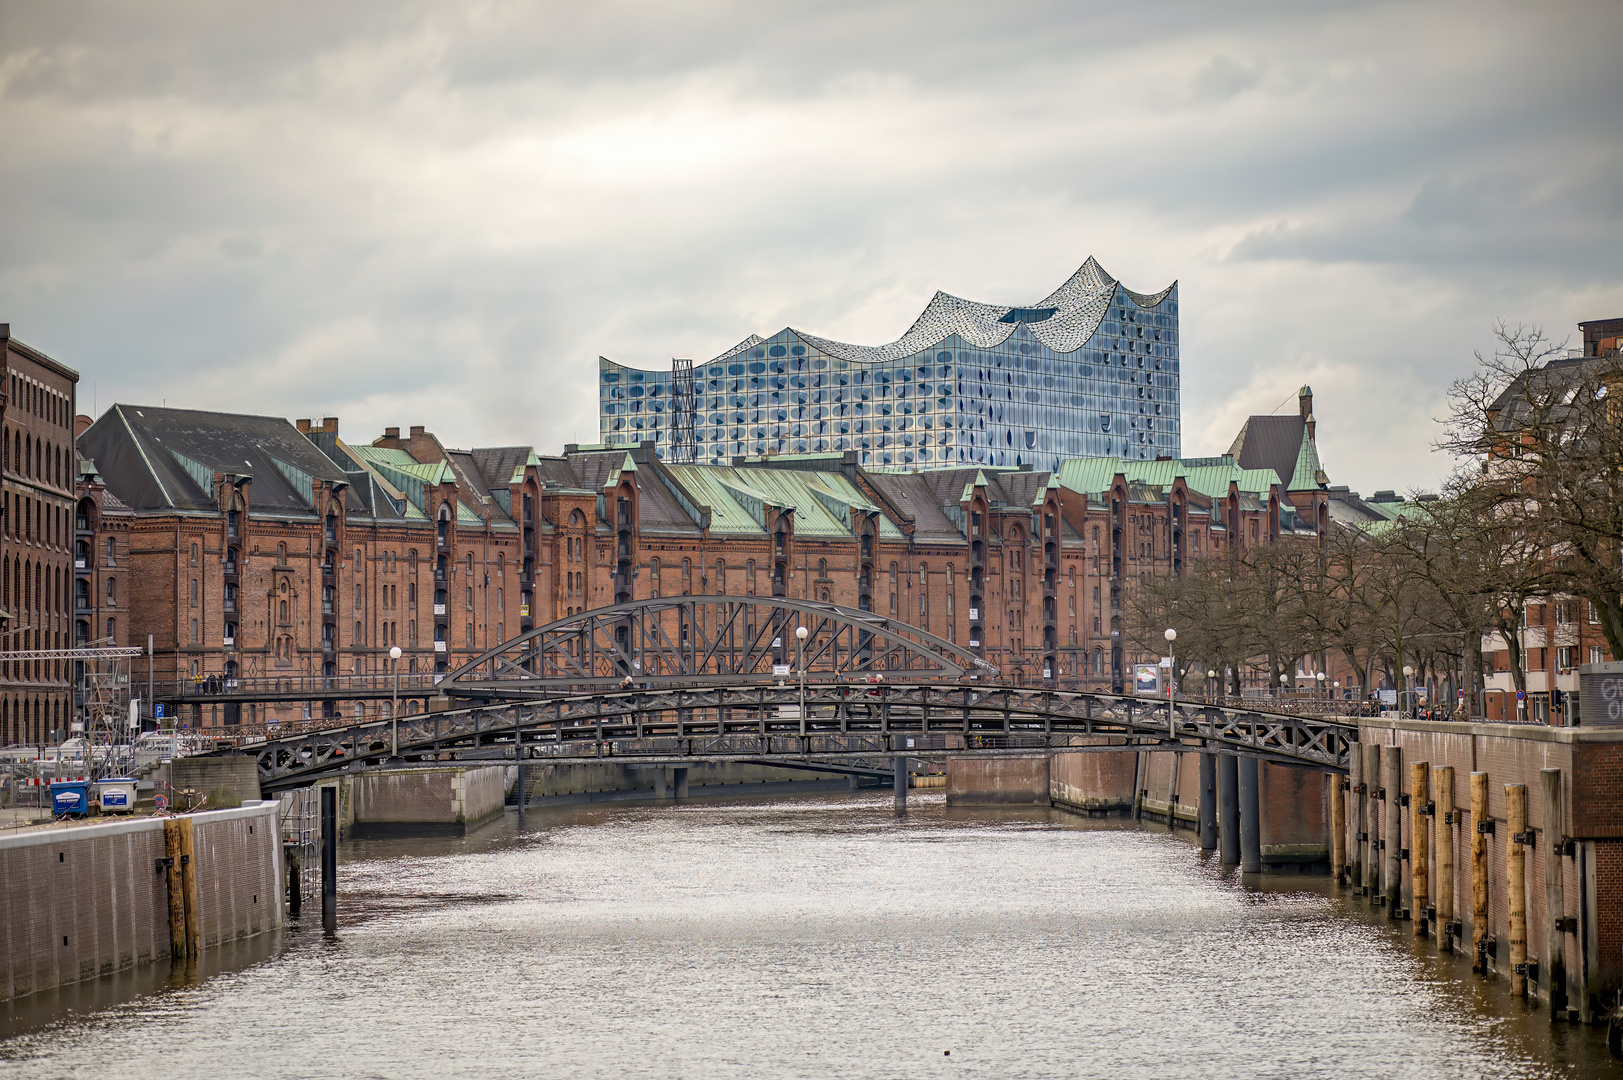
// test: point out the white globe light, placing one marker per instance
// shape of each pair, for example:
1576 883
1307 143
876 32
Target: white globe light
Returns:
1211 674
1171 634
801 632
394 652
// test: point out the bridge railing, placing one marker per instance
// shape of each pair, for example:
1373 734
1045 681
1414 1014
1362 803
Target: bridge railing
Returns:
413 684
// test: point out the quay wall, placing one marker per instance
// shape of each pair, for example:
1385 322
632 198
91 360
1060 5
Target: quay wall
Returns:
455 799
88 900
1590 761
582 780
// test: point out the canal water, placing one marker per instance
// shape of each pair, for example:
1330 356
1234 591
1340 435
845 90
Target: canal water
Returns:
806 937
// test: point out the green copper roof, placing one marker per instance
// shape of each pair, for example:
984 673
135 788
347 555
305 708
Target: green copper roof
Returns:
738 498
1209 476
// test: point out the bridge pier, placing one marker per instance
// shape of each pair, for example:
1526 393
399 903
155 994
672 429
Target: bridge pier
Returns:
1228 807
900 778
1208 801
1250 817
662 783
681 781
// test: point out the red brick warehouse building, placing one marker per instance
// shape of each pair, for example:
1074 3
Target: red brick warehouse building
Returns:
37 539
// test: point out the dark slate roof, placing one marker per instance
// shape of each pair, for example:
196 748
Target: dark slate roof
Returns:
657 508
497 464
1271 442
163 459
911 494
557 470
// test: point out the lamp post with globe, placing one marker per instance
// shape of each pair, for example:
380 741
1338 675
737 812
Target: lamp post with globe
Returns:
1172 678
394 709
800 659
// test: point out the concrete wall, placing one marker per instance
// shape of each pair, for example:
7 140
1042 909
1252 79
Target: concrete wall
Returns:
454 799
559 781
227 781
1095 782
82 901
982 781
1591 764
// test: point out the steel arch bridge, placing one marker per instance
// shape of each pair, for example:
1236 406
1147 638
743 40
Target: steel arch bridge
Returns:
666 642
683 679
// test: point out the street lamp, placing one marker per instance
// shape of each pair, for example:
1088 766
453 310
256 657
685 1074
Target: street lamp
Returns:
1320 678
394 709
1172 674
1408 672
800 660
1211 682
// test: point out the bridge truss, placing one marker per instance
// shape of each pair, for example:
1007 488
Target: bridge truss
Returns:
676 641
840 721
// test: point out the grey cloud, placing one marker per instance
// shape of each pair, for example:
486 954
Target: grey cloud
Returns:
442 214
1221 78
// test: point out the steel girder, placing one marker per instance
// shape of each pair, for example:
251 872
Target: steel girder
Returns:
686 640
763 719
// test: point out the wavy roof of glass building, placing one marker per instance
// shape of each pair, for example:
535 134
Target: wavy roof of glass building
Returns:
1089 369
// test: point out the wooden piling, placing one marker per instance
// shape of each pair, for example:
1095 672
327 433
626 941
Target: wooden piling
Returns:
188 883
1479 871
177 889
1392 843
1516 884
1419 860
1442 885
1555 903
1338 829
1372 821
1355 815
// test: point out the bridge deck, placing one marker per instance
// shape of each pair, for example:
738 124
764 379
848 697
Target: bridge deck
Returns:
766 720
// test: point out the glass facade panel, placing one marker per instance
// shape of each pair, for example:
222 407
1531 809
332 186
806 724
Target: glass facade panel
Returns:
1090 371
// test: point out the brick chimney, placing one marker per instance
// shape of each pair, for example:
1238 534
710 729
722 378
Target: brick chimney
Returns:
303 426
81 424
329 425
423 446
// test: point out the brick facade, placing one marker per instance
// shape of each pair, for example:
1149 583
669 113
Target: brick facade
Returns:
37 585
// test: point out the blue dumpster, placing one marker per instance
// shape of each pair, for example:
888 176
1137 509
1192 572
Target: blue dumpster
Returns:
70 797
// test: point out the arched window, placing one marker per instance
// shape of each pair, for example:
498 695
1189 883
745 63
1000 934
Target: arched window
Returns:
721 577
687 578
749 576
192 592
470 564
501 562
1070 578
924 577
112 632
653 578
822 568
281 612
194 554
112 591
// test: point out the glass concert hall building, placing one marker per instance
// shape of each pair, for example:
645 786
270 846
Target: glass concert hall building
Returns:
1091 370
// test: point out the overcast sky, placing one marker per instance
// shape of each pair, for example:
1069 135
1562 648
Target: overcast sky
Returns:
441 214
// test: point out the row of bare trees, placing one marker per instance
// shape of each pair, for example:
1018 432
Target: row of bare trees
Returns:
1533 510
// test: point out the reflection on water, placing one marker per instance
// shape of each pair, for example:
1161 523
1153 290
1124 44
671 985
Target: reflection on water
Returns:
817 936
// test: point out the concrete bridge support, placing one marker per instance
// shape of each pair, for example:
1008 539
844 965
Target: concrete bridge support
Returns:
901 784
1208 801
1250 816
1228 807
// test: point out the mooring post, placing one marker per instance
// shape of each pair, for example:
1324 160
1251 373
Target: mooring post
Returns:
1228 808
900 778
188 881
518 743
1443 884
1355 818
329 857
177 889
1419 855
1371 825
1555 903
1480 823
1338 829
1140 771
1250 816
1516 883
1208 802
1392 844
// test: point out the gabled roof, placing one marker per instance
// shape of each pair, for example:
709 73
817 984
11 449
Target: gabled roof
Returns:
1209 476
156 458
1281 444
